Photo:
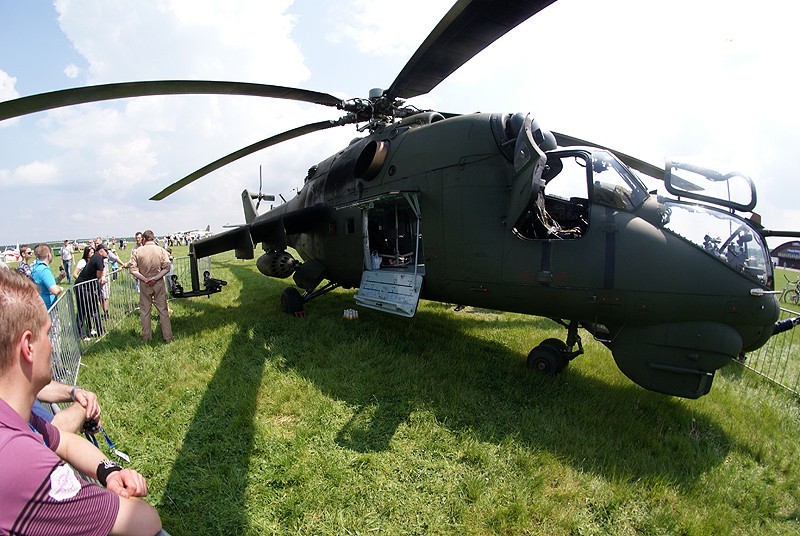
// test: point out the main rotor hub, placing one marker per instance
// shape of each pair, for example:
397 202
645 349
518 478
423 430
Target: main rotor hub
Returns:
377 111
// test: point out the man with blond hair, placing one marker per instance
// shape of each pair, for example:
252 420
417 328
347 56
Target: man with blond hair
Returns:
149 264
40 493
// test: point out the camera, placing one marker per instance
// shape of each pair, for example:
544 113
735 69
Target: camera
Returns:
91 426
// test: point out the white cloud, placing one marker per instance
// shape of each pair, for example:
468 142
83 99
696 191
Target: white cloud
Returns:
7 86
72 71
7 92
36 174
247 41
386 28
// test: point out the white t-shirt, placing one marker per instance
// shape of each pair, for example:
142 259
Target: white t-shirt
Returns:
81 264
66 253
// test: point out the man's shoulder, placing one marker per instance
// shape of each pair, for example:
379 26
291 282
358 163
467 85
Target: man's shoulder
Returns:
18 446
9 418
39 266
24 268
15 443
40 271
153 249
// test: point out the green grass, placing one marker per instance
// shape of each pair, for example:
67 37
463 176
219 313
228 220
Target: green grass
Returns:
256 422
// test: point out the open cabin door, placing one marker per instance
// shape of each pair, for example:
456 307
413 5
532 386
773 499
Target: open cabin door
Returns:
393 266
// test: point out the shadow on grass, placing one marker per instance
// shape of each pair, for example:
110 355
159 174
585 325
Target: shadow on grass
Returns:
483 389
205 491
430 363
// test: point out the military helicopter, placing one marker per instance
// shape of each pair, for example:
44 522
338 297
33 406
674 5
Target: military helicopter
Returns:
492 210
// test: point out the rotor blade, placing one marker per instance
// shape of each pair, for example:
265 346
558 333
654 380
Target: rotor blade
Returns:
250 149
468 28
82 95
788 234
639 165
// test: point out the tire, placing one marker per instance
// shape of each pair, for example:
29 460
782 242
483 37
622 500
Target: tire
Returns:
793 297
556 344
546 360
291 301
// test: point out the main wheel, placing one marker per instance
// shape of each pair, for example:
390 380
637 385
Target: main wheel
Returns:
291 301
793 297
556 344
546 360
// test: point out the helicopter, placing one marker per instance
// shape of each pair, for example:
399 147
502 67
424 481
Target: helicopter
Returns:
493 210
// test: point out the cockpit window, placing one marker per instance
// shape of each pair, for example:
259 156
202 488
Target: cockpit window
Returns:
560 209
613 184
725 237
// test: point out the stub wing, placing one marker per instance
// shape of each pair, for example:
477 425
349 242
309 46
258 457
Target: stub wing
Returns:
271 229
238 239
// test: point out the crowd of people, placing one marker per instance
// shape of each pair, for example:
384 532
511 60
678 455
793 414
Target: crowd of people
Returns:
98 263
41 494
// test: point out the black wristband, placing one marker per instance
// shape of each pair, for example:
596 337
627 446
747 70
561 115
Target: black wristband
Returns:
105 468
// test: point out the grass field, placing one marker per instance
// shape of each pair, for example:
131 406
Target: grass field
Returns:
256 422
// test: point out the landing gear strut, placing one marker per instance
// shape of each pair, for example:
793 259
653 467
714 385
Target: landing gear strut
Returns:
553 355
292 300
308 275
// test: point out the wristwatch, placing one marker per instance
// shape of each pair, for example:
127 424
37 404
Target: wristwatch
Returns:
72 392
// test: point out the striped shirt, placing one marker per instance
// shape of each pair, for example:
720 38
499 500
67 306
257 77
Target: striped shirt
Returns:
40 494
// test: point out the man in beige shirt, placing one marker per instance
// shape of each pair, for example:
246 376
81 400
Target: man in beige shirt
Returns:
149 264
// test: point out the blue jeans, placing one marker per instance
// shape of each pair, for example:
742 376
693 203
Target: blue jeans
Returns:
68 268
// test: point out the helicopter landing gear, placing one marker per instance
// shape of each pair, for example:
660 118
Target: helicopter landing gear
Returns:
556 344
546 359
553 355
292 302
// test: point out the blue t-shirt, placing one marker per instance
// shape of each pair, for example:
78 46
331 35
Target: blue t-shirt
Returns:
42 275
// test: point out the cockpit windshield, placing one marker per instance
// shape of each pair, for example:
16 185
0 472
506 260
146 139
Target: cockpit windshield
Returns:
722 235
614 185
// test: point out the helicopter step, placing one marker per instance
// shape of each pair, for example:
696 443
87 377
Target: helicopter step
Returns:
392 292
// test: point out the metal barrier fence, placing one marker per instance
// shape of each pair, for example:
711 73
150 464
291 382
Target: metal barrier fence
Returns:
778 360
85 312
82 314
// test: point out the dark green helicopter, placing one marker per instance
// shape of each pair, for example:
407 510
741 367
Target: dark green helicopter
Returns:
494 211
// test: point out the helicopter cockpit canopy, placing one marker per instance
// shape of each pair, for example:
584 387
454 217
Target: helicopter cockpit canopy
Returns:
721 234
614 184
691 180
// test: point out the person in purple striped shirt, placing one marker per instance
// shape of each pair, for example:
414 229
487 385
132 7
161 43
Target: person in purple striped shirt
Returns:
39 492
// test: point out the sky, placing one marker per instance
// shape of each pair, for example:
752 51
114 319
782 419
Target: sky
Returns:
709 79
